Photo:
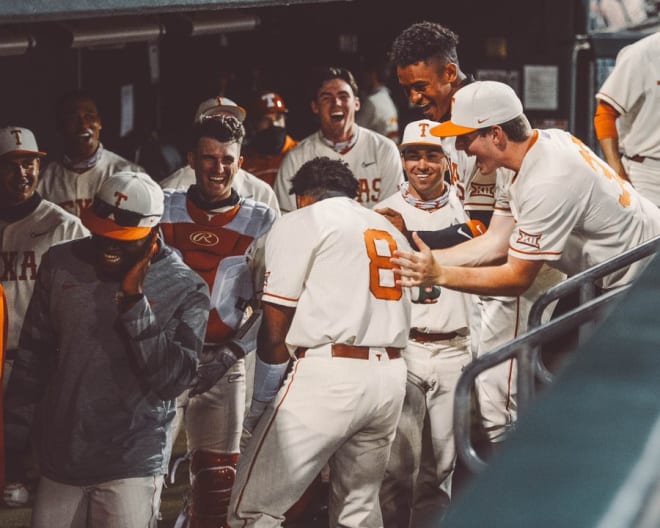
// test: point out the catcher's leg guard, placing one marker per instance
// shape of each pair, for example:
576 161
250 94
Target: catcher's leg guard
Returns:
211 478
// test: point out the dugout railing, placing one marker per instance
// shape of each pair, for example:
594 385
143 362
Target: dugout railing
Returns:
525 348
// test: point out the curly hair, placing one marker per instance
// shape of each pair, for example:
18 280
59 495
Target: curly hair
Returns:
423 41
222 128
322 175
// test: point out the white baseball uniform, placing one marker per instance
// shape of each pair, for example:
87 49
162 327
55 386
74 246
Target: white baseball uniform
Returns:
378 112
419 478
247 185
601 215
74 191
374 160
331 262
495 320
633 90
22 244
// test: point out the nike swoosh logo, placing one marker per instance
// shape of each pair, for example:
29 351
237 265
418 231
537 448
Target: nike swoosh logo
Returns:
463 233
365 164
34 234
479 121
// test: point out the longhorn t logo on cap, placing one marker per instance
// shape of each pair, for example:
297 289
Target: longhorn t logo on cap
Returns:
126 207
479 105
18 141
419 133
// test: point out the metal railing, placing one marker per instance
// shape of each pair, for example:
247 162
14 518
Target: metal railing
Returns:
525 347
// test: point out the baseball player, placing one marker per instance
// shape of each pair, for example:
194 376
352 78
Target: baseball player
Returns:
419 472
570 209
373 159
270 142
73 181
247 185
626 118
428 69
331 304
111 337
29 225
377 109
220 235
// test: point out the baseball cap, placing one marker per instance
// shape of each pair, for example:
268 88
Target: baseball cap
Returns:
419 133
18 141
479 105
126 207
269 102
219 105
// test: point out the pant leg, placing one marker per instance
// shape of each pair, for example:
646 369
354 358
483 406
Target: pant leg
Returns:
396 491
358 466
59 505
125 503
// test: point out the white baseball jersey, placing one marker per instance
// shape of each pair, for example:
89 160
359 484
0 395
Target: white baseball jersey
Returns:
74 191
450 313
573 211
247 185
378 112
633 89
363 306
374 160
22 244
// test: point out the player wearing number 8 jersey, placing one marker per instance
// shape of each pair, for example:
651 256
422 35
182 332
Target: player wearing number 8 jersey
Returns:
332 304
571 209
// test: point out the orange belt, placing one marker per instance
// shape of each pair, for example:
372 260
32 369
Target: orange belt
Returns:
425 337
352 351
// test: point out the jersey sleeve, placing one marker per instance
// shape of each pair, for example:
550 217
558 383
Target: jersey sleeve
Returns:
285 270
618 90
391 169
286 172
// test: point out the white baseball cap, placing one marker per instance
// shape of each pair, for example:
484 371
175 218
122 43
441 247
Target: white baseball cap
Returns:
219 105
419 133
18 141
126 207
479 105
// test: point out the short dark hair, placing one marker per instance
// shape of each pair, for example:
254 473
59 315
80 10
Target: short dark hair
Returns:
424 41
517 129
63 102
321 175
223 128
319 76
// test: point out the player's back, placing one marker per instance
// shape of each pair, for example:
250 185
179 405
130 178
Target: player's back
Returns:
349 293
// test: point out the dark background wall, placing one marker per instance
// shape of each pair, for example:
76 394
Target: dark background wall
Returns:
276 55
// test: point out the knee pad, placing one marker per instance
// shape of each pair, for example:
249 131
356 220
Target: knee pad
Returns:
211 478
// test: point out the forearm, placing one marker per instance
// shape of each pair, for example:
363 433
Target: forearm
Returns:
166 358
490 280
610 147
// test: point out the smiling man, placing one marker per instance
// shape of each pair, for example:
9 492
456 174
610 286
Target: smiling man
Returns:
220 235
29 225
373 158
111 337
73 181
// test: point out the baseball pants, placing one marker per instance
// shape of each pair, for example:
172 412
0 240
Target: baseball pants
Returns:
418 478
645 177
339 411
123 503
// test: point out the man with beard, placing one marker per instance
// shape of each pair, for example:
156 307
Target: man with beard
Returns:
73 181
373 158
110 339
270 143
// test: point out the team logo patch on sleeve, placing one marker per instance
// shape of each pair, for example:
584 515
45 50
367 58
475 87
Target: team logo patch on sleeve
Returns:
527 239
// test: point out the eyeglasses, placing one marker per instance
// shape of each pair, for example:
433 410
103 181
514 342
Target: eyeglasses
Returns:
122 217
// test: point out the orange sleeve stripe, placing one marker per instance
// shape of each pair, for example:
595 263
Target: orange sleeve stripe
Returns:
605 121
280 297
536 253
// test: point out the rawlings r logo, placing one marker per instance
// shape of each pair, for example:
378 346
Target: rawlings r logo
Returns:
204 238
528 239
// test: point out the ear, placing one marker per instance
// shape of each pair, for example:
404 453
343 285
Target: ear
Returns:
191 158
451 72
357 103
314 106
240 162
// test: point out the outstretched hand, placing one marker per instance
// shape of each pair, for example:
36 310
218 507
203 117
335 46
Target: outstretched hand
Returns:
131 284
416 268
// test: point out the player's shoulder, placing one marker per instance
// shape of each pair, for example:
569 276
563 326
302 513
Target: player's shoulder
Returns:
259 215
372 141
174 204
